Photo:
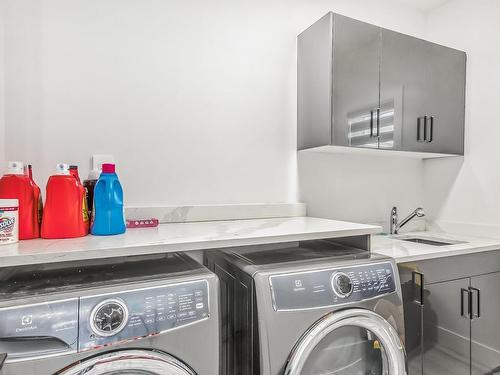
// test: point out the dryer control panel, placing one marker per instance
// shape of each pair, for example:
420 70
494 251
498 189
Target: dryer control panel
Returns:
331 287
123 316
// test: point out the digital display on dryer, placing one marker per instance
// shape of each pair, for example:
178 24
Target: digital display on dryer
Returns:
314 289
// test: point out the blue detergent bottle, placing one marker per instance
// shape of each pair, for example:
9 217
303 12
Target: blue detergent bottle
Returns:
108 204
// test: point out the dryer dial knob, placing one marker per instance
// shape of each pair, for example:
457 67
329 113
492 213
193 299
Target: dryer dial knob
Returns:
342 285
109 317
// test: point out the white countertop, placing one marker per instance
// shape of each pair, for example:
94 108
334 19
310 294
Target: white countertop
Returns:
180 237
404 251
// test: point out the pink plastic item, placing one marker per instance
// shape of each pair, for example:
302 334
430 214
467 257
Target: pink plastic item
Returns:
142 223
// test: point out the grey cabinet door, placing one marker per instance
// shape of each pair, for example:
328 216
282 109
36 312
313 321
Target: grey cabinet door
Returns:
413 315
403 80
445 96
485 327
426 83
355 83
446 331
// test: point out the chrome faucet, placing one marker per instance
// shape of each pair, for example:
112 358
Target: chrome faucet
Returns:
396 226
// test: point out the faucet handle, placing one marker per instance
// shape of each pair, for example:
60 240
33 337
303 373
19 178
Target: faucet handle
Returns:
420 212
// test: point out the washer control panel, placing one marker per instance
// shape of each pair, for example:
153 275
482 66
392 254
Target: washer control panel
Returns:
117 317
322 288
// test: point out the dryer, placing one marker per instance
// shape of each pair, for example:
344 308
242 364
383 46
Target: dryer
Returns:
309 308
154 314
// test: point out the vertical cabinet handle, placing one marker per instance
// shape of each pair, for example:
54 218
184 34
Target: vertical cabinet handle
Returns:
475 313
378 122
463 312
419 129
419 298
371 123
431 129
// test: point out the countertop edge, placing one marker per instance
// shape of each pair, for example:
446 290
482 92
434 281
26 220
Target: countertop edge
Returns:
443 253
158 247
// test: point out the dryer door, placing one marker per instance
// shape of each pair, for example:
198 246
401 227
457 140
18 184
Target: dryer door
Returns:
130 362
348 342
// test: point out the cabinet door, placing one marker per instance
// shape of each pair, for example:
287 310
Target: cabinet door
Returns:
485 327
413 315
403 81
446 328
426 82
355 83
445 95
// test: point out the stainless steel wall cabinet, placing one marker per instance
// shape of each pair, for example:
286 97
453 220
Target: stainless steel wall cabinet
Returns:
360 85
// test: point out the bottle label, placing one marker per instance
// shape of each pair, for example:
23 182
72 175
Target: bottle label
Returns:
8 225
85 211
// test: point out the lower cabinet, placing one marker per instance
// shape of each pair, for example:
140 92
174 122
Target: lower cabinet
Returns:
485 324
452 326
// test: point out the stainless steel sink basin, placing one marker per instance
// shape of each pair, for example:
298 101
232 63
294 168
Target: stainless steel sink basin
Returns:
432 242
427 242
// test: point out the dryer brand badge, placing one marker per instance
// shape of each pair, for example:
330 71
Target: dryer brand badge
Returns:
7 223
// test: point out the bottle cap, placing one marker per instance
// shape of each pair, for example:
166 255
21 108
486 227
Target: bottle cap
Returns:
62 169
4 203
73 167
108 168
15 167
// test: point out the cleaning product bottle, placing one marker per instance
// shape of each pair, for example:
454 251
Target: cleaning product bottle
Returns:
89 184
38 200
65 214
15 184
73 170
108 204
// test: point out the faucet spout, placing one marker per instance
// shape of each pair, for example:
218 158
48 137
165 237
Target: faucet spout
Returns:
396 226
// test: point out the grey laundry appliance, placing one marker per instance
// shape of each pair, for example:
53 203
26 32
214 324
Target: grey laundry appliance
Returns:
148 315
310 308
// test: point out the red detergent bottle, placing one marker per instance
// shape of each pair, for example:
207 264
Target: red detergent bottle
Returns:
16 184
65 214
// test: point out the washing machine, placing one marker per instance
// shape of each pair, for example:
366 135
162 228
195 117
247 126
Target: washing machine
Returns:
309 308
155 314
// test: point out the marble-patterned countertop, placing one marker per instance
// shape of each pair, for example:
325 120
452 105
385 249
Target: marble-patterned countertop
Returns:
404 251
180 237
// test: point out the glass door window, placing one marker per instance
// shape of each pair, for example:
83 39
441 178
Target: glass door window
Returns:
350 342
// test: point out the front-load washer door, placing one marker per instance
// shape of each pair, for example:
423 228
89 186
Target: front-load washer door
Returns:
130 362
348 342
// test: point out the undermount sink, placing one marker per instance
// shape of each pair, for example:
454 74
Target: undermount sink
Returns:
432 242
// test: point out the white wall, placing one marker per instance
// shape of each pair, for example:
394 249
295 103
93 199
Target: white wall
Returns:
360 188
196 99
468 190
2 86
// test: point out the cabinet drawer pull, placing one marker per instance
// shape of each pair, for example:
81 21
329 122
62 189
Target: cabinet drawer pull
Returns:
419 298
463 292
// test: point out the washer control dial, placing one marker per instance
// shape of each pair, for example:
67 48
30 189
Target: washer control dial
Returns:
342 285
109 317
